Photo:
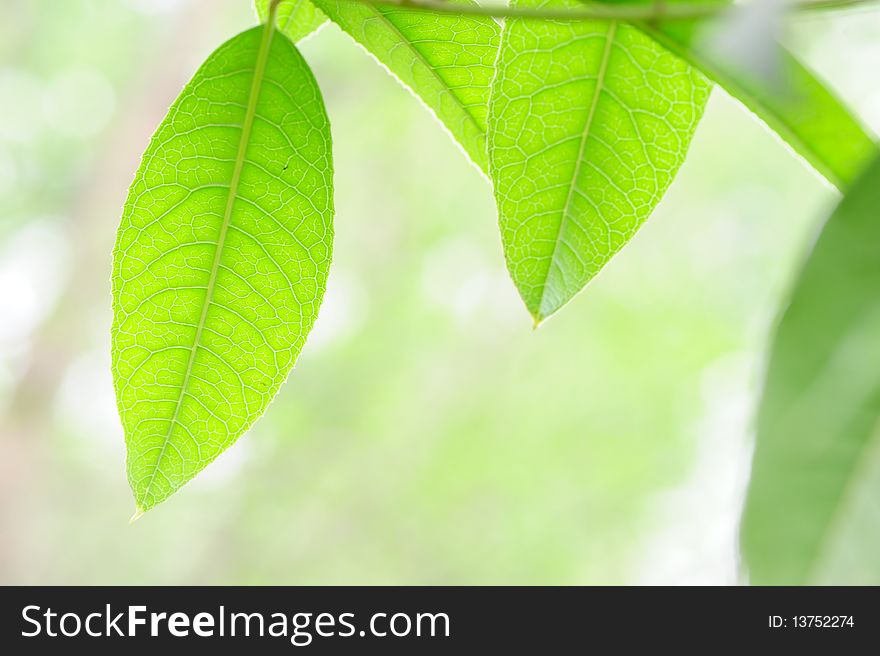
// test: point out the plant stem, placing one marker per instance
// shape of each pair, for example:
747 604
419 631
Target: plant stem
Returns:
658 11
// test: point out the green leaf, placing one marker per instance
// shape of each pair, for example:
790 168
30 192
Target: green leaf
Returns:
221 259
445 60
588 124
800 109
812 509
296 19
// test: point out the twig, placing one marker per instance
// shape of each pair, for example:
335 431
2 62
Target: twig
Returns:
658 11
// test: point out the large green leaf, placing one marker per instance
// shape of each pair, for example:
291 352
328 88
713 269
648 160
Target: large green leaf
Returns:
588 123
812 514
446 60
221 259
296 19
796 105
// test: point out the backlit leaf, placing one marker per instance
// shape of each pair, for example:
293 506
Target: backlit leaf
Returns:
296 19
797 105
589 122
445 60
221 259
813 509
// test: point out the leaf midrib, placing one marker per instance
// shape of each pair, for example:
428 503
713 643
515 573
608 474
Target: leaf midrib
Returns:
290 16
852 482
420 55
585 135
247 124
851 485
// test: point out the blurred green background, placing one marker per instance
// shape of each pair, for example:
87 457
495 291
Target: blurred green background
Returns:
427 435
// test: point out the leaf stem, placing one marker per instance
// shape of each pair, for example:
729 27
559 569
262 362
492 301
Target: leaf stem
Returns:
656 11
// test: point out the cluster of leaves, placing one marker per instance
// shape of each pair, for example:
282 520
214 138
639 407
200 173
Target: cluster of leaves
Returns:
579 123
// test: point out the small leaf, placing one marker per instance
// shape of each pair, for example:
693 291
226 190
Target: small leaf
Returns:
445 60
221 259
801 110
295 19
812 514
589 122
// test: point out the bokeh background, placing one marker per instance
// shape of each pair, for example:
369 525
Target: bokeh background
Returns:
427 435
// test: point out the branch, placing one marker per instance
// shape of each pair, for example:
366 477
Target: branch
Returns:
658 11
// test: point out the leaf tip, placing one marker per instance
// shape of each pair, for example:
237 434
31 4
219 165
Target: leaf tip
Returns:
138 513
